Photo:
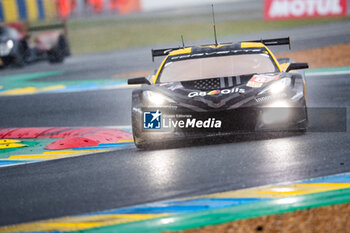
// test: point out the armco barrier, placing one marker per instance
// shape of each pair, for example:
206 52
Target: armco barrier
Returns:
27 10
31 10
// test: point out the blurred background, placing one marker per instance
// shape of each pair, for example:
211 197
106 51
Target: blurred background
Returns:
112 39
104 25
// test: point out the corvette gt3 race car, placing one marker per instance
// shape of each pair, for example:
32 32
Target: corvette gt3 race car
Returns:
220 89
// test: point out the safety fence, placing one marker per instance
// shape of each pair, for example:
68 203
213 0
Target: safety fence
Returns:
31 10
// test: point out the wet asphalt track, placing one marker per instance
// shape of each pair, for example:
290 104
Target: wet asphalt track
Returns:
123 178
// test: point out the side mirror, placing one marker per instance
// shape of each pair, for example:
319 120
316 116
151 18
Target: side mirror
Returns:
297 66
141 80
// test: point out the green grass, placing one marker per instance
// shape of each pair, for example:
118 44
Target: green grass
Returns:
88 36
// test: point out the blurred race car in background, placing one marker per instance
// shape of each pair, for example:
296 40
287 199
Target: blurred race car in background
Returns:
219 89
17 47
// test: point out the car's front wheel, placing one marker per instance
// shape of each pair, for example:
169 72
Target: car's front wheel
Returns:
303 125
20 56
137 132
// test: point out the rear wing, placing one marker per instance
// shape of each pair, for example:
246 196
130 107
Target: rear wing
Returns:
267 42
274 42
46 27
61 25
162 52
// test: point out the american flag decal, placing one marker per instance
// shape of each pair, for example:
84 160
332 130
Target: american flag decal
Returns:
216 83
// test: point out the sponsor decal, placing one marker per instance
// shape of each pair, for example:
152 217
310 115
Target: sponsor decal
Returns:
216 92
254 84
192 123
173 88
258 80
286 9
213 92
152 120
155 120
270 97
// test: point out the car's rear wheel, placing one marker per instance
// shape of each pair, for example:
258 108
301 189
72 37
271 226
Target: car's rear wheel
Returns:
21 55
60 51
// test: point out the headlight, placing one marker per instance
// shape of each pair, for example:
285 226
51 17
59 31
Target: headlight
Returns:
277 112
277 87
157 98
10 44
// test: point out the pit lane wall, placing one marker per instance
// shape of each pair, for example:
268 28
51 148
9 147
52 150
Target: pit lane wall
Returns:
150 5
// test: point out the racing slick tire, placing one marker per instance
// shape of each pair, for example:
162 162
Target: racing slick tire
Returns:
136 118
137 133
59 52
301 126
21 56
141 146
304 125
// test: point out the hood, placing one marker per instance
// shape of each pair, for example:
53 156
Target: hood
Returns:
218 93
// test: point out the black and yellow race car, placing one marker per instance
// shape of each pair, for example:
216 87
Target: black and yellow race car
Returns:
220 89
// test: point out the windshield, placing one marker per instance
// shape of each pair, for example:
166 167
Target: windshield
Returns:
218 66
